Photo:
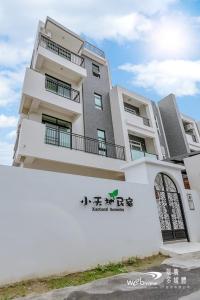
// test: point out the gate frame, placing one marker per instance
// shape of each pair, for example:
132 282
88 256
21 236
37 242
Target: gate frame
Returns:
180 205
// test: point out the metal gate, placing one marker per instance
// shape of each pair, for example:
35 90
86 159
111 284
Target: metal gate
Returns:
171 214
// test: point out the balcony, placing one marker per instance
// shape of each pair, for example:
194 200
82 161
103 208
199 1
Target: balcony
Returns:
37 142
137 154
94 49
61 51
145 120
94 53
61 89
78 142
57 58
51 93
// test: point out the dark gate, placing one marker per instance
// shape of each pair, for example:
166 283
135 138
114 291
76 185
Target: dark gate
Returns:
171 214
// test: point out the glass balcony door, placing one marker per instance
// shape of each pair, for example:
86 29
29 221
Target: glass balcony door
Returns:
136 150
58 132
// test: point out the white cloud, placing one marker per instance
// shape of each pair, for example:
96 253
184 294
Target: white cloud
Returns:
181 77
89 17
6 152
7 121
10 84
12 54
11 135
130 27
128 20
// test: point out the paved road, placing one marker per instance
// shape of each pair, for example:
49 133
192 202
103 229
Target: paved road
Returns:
186 287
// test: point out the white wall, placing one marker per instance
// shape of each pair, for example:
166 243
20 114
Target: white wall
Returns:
45 230
145 171
192 165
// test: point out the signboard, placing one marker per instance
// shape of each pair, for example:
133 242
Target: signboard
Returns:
113 202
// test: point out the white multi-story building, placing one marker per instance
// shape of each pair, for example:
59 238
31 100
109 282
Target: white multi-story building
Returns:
72 120
54 132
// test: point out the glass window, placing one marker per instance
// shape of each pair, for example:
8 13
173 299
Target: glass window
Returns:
98 101
57 86
131 109
58 132
95 70
102 142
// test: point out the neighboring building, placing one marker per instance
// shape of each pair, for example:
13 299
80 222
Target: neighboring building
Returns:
182 134
134 124
72 120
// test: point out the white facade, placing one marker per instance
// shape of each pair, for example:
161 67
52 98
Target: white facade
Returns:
192 165
57 233
127 123
56 62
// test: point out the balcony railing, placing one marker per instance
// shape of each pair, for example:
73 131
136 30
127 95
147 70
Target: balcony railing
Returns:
61 51
64 138
94 49
137 154
146 121
61 89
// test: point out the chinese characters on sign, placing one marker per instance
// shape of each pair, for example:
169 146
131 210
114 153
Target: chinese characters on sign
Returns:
111 203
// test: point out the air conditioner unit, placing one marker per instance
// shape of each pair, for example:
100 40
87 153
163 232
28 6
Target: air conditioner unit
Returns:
188 127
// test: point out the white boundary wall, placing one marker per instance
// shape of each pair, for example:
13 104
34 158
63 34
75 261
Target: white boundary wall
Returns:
45 230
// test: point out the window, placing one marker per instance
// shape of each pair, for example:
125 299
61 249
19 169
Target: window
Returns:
137 143
131 109
58 132
98 101
102 142
95 70
57 86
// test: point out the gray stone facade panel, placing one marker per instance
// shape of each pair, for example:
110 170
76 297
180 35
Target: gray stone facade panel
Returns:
95 118
173 126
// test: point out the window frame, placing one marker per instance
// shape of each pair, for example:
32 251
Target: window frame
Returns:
100 107
59 128
96 73
102 141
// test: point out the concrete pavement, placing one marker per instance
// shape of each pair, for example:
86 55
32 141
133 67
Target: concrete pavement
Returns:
177 277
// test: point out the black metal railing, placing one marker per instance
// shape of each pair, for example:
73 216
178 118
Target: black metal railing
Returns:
61 89
146 121
61 51
94 49
64 138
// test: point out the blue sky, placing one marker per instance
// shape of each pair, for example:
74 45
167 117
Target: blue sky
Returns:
153 47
